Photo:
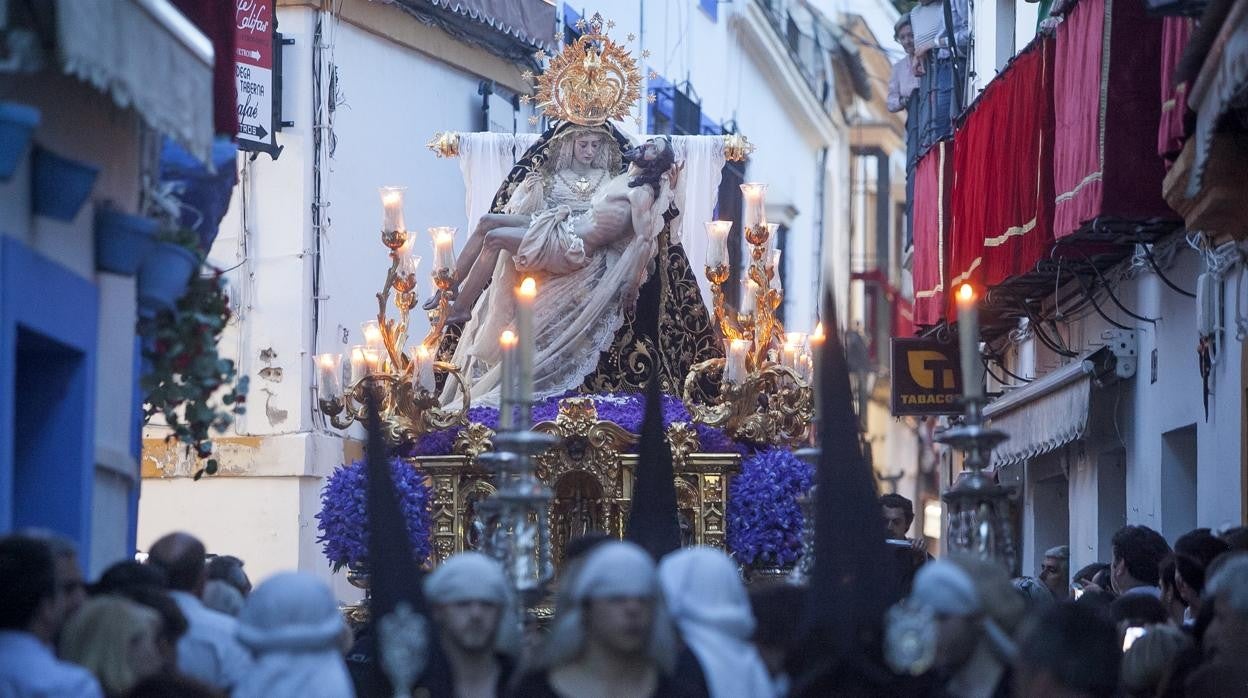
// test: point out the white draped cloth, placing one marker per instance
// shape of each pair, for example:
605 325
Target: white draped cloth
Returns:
711 608
486 158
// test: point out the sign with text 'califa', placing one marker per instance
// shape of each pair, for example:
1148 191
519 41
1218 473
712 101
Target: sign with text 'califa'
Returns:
926 378
253 74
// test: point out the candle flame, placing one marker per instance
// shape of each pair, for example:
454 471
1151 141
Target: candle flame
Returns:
372 333
442 239
966 293
507 338
326 360
422 352
528 287
817 335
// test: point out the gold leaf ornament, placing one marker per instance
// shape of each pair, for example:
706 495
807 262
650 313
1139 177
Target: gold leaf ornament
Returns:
590 82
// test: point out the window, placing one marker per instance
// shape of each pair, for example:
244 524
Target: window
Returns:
570 18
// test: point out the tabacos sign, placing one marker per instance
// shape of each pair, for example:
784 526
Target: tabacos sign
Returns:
926 378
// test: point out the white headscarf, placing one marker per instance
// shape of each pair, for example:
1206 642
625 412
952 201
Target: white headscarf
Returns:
614 568
292 624
471 576
946 588
712 609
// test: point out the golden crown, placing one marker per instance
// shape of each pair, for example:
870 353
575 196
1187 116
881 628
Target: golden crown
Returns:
591 80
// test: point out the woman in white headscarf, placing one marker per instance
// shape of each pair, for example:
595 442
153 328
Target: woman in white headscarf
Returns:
292 624
613 637
711 608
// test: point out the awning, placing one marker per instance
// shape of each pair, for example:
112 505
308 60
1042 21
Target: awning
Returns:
1107 105
146 56
1003 155
1047 414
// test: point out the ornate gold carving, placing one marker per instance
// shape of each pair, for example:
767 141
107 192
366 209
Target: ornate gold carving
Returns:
585 443
592 80
473 440
445 144
737 147
774 405
683 438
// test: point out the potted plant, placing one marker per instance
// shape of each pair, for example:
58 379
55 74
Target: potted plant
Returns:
17 124
343 520
60 185
166 270
186 380
122 240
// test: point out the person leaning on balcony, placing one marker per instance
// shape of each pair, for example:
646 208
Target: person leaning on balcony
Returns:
904 79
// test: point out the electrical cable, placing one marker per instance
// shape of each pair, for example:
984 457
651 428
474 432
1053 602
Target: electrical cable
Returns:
1148 254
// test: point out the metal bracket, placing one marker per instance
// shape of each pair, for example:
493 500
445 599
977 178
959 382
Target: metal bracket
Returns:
1122 344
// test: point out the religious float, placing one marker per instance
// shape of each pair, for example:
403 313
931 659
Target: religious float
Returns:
522 404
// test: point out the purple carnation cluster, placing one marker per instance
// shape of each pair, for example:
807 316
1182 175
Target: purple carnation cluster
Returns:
764 519
343 521
624 409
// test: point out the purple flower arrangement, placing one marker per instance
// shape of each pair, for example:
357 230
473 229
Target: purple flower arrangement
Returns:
343 521
764 519
624 409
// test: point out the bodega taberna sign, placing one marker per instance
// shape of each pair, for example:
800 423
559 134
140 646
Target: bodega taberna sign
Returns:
253 74
926 378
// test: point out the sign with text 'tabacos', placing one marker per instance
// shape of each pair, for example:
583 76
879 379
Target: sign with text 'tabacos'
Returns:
926 378
253 74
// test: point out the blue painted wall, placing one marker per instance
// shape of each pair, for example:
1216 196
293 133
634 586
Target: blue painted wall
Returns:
48 335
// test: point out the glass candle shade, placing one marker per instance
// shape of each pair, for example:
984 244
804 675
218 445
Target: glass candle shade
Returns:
443 248
749 297
422 367
717 243
329 376
405 274
754 198
392 209
735 368
372 335
358 367
372 361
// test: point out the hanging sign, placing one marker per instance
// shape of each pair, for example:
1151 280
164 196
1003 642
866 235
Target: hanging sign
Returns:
926 378
254 49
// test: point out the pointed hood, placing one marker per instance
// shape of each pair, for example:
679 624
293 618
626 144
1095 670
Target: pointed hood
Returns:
652 521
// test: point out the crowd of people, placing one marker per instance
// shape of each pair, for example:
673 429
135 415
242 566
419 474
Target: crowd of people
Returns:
1156 620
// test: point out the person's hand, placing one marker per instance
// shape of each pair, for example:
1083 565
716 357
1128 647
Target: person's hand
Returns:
919 546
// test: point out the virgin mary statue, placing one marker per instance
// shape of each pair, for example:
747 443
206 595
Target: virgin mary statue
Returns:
609 313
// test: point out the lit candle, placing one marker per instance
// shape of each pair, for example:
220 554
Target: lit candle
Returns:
817 339
754 195
507 391
794 346
372 361
717 243
330 375
525 296
372 335
392 208
422 367
968 343
735 369
749 297
443 248
358 367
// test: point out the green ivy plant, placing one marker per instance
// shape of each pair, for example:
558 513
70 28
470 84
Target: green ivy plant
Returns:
185 371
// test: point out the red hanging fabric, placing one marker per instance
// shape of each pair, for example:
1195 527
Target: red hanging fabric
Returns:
215 18
933 180
1176 33
1107 104
1003 186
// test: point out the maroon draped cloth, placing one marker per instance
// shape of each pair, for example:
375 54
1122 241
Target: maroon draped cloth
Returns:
1107 104
1003 186
215 18
1176 33
933 181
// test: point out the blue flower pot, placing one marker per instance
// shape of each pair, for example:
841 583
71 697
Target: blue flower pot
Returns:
17 124
61 185
164 275
122 240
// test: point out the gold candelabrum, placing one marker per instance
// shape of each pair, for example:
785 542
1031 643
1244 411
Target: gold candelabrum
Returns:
765 382
401 380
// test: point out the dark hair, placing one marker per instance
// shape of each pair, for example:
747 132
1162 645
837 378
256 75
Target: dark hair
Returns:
652 171
229 569
1077 646
171 684
896 501
1193 553
173 624
181 556
1138 609
1165 577
1236 538
1089 572
1141 549
128 574
27 577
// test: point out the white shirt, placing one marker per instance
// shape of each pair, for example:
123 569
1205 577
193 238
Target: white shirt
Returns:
209 651
28 669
